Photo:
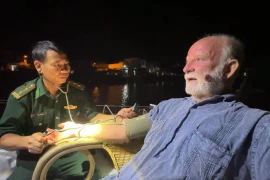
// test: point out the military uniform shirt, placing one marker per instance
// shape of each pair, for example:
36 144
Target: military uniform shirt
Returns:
31 108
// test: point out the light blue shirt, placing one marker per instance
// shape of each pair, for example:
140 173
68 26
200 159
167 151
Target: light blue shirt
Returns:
218 138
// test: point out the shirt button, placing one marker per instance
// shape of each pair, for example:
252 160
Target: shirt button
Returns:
56 101
40 124
56 117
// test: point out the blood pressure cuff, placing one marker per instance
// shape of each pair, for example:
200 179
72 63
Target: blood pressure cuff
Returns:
137 127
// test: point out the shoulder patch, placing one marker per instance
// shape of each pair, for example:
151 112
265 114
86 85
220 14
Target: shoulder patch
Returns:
77 85
23 90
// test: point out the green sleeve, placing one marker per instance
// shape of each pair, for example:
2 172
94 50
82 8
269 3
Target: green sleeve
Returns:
13 118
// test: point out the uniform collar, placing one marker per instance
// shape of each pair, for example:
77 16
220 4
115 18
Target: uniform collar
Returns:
40 90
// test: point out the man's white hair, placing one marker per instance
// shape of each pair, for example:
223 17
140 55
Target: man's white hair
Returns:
233 49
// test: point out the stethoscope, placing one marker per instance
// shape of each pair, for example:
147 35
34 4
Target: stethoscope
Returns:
64 92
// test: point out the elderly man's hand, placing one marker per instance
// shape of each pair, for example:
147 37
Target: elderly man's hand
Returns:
67 130
53 137
69 125
126 113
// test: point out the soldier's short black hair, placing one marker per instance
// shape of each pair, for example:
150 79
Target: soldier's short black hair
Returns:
39 51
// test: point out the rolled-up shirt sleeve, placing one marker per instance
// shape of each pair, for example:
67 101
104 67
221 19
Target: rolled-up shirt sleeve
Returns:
154 113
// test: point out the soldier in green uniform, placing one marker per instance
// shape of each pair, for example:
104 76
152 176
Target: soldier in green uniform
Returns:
44 103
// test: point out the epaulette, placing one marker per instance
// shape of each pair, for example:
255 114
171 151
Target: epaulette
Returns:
23 90
77 85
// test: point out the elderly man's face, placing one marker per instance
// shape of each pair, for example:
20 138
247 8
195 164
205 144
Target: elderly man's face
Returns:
203 70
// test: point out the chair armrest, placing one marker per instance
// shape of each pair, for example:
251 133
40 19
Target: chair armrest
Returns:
62 148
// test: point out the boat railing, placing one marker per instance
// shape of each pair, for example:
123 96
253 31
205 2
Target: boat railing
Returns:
112 109
105 109
3 101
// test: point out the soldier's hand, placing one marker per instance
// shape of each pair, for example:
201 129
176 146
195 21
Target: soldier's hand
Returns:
126 113
36 143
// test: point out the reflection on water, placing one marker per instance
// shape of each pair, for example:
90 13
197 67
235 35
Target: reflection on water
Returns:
141 93
95 94
125 93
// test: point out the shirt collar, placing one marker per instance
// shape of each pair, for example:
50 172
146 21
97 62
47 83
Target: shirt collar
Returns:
224 97
217 98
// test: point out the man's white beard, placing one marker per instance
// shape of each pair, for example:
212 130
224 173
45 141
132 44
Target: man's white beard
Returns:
210 84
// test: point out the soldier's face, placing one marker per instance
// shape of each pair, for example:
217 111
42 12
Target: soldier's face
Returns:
55 68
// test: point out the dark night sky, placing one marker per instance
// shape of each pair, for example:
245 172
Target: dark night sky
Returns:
114 31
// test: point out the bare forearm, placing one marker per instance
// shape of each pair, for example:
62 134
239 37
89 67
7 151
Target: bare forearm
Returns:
103 132
109 132
102 117
12 142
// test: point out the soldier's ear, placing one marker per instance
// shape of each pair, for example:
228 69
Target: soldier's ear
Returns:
37 65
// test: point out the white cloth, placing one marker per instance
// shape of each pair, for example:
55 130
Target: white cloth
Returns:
7 163
104 165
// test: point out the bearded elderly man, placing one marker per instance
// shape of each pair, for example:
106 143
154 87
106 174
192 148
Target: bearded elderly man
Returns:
209 135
